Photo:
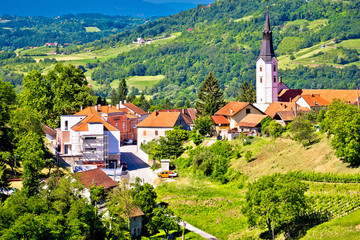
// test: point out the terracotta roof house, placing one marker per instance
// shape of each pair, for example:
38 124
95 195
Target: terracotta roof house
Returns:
133 109
251 123
311 101
88 139
280 106
236 111
326 94
189 114
98 176
157 124
221 123
136 221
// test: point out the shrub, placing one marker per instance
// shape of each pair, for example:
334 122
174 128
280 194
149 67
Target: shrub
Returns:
248 156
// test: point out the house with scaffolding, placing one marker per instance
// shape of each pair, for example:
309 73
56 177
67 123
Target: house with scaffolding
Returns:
89 140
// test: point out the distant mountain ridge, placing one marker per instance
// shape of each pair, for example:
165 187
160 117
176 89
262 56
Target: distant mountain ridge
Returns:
138 8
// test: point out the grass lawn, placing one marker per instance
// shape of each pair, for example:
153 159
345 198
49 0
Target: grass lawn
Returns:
37 51
211 207
92 29
344 228
247 18
139 82
352 43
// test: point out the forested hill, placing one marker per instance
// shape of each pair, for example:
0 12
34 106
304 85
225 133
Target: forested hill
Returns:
226 37
18 32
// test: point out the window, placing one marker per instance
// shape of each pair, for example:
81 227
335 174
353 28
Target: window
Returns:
274 79
156 133
88 138
124 126
274 68
260 69
144 133
90 149
117 125
66 149
134 125
116 119
248 110
66 125
260 79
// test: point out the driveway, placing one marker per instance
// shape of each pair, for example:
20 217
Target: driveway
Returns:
136 166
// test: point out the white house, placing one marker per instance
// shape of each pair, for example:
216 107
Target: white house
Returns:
157 124
88 140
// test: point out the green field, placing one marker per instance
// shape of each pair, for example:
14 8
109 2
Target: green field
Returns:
36 51
244 18
140 82
92 29
345 228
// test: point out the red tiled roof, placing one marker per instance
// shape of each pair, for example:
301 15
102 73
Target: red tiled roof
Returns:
83 124
160 119
279 106
315 100
220 120
251 120
286 115
327 94
95 176
136 212
101 109
231 108
48 130
134 108
187 113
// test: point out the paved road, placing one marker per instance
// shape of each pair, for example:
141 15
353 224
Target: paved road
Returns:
136 166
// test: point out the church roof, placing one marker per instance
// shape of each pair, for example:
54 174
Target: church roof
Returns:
267 52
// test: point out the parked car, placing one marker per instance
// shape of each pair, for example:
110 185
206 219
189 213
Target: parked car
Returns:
167 174
128 142
124 164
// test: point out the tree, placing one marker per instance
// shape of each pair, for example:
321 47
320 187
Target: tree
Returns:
120 205
343 122
163 218
247 93
271 127
167 104
273 201
210 97
303 130
122 90
203 125
145 198
61 91
114 97
7 99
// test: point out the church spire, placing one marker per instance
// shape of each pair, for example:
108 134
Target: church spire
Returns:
267 50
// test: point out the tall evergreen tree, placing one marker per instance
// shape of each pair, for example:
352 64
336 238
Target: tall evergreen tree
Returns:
114 97
210 96
123 90
247 93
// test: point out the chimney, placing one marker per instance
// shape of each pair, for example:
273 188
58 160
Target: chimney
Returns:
124 101
231 111
96 107
99 107
117 106
109 105
81 108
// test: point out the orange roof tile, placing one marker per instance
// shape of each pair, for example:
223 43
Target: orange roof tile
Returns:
83 124
101 109
279 106
220 120
136 212
286 115
251 120
327 94
231 108
160 119
134 108
188 114
315 100
98 176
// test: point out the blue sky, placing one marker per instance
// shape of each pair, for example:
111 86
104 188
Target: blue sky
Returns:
183 1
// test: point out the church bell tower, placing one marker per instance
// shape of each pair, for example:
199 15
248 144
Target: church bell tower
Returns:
267 81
